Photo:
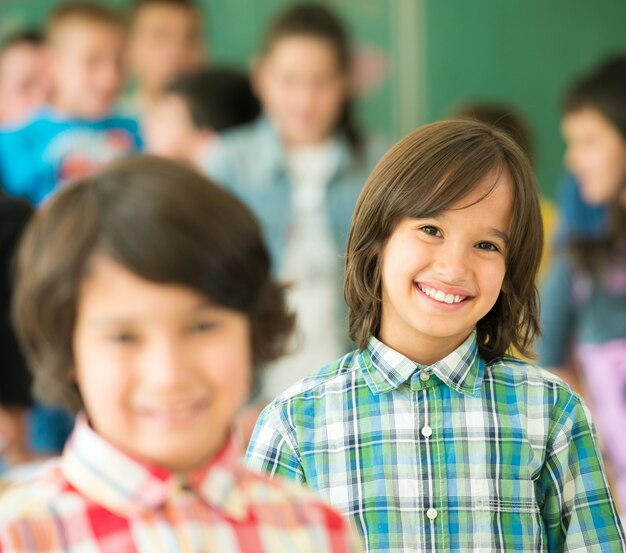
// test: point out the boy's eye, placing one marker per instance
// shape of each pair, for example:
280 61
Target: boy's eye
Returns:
488 246
123 338
202 326
432 231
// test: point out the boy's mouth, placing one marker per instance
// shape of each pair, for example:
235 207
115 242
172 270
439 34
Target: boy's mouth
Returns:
440 295
175 413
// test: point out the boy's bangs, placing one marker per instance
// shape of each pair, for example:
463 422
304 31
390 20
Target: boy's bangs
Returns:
460 180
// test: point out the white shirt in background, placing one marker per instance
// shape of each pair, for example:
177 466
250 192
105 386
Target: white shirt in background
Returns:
313 267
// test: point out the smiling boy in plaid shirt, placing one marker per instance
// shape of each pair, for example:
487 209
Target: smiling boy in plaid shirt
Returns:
428 435
144 295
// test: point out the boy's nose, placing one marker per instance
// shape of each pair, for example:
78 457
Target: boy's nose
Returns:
453 265
164 364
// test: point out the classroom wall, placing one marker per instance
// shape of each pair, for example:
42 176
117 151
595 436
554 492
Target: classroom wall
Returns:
439 53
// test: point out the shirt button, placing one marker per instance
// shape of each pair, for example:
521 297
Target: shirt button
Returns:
427 432
424 376
431 513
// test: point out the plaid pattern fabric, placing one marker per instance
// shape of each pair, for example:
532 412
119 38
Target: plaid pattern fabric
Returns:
457 456
97 499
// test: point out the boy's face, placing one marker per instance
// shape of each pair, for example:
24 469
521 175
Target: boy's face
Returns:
442 274
160 369
165 42
596 154
302 88
87 68
24 82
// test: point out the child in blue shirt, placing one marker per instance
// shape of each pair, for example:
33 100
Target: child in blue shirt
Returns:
76 133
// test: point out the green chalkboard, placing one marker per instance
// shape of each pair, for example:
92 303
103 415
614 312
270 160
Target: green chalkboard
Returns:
521 52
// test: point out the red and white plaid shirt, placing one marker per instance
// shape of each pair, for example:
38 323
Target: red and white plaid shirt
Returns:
98 499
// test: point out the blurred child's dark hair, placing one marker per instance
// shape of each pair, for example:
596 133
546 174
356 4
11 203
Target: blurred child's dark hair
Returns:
163 222
15 379
503 117
318 21
428 172
80 11
27 37
185 4
604 90
217 97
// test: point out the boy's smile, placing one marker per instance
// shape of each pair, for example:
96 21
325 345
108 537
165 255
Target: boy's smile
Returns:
451 296
162 371
442 274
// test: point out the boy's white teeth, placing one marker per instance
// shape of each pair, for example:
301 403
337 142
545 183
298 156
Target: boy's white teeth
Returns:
441 296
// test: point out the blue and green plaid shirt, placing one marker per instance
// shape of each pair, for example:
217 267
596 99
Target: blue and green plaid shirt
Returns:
458 456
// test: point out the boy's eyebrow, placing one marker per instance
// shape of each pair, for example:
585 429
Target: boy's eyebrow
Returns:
115 320
500 234
496 232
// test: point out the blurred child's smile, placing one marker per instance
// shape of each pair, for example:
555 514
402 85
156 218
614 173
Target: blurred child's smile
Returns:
176 414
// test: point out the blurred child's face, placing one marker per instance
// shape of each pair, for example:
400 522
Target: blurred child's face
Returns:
165 42
24 82
87 68
596 154
160 369
442 274
169 131
302 89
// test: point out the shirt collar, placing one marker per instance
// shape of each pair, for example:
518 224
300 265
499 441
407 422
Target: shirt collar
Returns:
385 369
128 486
274 153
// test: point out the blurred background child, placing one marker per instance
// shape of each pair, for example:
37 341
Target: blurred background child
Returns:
24 81
165 41
300 167
584 297
76 133
187 120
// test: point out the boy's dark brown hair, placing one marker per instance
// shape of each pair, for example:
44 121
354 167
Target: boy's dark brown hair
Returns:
501 116
165 223
427 172
26 38
80 11
217 98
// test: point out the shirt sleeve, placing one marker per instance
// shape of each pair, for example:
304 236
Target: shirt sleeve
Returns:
272 448
577 507
558 315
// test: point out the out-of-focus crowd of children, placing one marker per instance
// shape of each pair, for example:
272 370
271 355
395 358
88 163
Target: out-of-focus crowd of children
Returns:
284 140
